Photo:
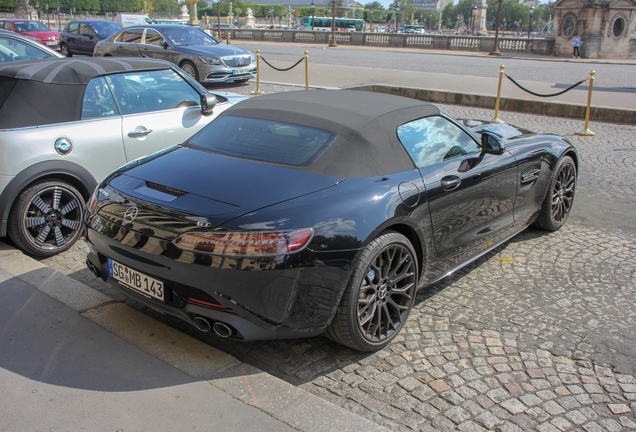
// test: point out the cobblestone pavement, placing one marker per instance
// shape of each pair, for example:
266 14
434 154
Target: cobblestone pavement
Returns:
538 335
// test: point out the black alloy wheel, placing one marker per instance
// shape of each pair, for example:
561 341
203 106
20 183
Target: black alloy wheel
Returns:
46 219
560 197
379 296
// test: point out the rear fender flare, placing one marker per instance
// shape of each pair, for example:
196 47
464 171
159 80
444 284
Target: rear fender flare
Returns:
79 177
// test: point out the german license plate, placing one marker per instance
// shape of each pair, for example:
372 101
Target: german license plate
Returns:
51 43
241 71
143 284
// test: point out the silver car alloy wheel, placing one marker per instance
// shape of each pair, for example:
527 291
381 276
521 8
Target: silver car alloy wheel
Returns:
52 219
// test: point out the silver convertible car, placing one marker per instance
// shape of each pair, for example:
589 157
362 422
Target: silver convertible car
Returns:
203 57
66 123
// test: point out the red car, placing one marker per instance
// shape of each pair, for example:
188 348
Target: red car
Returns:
33 29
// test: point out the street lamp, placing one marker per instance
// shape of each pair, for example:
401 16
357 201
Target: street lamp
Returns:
333 43
313 13
495 49
371 20
474 15
397 17
530 22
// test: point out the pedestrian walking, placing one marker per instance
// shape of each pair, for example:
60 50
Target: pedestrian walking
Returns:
576 43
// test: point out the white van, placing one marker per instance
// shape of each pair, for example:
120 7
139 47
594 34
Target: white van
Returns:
126 20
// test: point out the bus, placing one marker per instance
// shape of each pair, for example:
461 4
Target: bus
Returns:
324 24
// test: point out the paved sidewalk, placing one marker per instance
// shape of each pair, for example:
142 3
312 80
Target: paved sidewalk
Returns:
72 359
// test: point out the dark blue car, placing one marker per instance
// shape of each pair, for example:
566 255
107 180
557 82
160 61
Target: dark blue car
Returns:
80 37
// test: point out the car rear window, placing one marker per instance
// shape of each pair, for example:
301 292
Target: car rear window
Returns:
263 140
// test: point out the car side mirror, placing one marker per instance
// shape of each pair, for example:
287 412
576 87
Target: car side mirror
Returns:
491 144
165 45
208 102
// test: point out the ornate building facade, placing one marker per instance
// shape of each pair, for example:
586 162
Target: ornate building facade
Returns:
606 27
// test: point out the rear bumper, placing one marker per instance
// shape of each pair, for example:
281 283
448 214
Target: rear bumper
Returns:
272 298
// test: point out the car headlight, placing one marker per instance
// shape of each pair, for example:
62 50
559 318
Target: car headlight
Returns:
210 60
245 243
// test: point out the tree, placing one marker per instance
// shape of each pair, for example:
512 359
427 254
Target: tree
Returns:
375 5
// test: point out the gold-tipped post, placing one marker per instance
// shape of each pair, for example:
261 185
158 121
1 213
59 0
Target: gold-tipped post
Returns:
501 73
258 74
587 131
306 70
228 38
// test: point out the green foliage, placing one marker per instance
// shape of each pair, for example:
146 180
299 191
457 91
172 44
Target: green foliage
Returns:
375 5
9 5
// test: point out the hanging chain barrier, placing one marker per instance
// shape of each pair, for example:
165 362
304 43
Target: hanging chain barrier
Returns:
259 57
282 69
585 132
542 95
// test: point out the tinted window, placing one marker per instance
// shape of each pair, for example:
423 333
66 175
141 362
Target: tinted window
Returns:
188 36
434 139
263 140
12 49
153 37
98 100
85 30
26 26
104 28
72 28
131 36
140 92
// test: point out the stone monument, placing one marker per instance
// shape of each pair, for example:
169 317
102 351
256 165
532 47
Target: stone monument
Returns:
24 10
480 16
249 19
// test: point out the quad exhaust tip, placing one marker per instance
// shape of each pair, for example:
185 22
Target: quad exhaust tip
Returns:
219 328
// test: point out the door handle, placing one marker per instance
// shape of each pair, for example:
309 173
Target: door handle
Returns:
451 182
139 134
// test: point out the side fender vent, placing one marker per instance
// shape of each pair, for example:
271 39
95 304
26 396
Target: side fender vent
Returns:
529 176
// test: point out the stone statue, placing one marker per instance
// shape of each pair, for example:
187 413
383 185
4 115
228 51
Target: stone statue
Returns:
184 10
250 13
23 10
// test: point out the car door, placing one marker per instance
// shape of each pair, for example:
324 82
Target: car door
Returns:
85 39
153 46
127 43
70 36
159 108
471 193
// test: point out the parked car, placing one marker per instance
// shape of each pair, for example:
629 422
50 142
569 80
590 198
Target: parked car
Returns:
66 123
15 47
33 29
127 20
80 37
298 213
202 56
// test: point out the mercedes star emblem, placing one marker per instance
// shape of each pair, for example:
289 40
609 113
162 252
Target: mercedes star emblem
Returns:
130 214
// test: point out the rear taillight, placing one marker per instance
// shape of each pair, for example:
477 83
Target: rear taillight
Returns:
246 243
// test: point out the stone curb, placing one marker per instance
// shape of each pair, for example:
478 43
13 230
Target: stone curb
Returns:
281 400
528 106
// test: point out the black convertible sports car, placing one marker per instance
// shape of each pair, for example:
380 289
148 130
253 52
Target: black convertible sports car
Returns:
306 212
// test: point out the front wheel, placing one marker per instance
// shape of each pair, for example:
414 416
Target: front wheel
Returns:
379 296
559 198
65 51
189 68
46 219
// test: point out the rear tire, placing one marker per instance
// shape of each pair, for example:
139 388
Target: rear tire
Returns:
189 68
65 51
46 218
379 295
559 198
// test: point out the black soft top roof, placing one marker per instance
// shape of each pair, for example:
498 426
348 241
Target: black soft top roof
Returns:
365 125
49 91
